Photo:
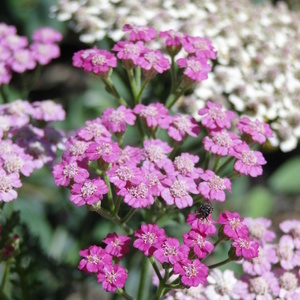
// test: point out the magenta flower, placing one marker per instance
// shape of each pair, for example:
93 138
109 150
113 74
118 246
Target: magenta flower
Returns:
112 277
202 47
108 151
192 273
122 175
256 129
22 60
44 53
130 155
196 68
95 258
94 130
155 150
129 52
88 192
258 229
248 162
68 170
204 226
171 252
245 247
7 184
48 111
5 74
137 195
181 126
154 113
185 166
75 148
140 33
173 38
153 62
221 142
177 191
46 35
152 177
197 241
149 238
214 117
117 245
116 120
79 57
213 186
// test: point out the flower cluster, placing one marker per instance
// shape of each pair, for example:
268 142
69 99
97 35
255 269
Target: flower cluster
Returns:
27 142
16 55
250 73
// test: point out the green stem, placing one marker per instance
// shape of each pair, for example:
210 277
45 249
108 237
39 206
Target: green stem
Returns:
112 90
123 294
132 81
206 163
3 95
109 194
128 216
221 263
144 282
217 163
156 269
35 76
171 100
160 290
5 274
138 77
226 163
117 206
140 128
137 99
173 73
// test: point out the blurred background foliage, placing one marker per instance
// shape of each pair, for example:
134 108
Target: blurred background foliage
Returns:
56 229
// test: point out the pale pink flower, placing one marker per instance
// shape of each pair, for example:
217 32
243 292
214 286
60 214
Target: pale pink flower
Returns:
5 53
130 155
46 35
94 130
22 60
17 163
105 150
76 148
173 38
293 228
7 30
44 53
5 74
7 184
155 150
48 111
15 42
140 33
117 244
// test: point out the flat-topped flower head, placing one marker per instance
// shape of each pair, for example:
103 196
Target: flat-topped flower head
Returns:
105 150
196 69
94 259
171 252
192 272
153 114
153 62
130 155
221 142
173 38
293 228
185 165
115 120
46 35
79 57
289 283
245 247
149 238
203 225
152 177
155 150
76 148
17 163
214 117
201 47
140 33
112 277
213 186
48 111
117 244
129 52
44 53
22 60
88 192
177 191
7 184
233 225
197 241
248 162
94 130
256 129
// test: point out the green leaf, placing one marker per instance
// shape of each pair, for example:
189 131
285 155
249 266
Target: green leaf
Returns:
286 178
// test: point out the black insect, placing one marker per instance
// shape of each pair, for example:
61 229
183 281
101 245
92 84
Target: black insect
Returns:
204 211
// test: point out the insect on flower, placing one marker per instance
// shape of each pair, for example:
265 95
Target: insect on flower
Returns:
204 210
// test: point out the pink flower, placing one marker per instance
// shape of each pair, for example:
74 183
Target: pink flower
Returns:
48 111
173 38
293 228
7 184
22 60
17 163
6 30
107 151
245 247
112 277
46 35
185 165
192 273
221 142
213 186
149 238
44 53
130 155
75 148
95 258
140 33
256 129
94 130
15 42
248 161
258 229
152 177
177 191
171 252
5 74
197 241
154 113
88 192
205 226
68 170
79 57
233 225
202 47
153 62
117 245
181 126
155 150
214 117
116 120
196 68
289 283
